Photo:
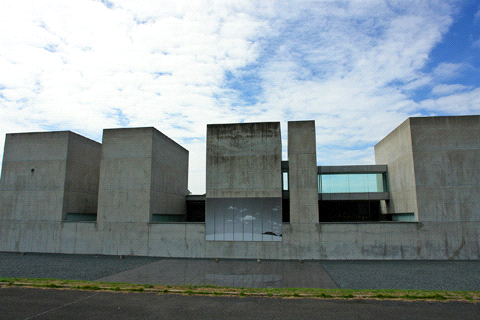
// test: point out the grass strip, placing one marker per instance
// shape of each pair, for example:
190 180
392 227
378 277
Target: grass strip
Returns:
408 295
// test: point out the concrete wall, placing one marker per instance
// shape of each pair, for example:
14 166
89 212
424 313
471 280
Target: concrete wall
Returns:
374 241
169 176
446 155
46 175
302 176
142 172
127 155
82 175
434 168
244 182
396 151
244 160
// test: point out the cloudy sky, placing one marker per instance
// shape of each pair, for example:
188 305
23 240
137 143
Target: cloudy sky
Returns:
358 68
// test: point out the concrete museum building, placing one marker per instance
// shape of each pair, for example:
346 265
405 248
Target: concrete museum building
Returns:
63 193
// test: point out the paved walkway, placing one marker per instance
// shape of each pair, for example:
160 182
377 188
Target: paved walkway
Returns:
426 275
231 273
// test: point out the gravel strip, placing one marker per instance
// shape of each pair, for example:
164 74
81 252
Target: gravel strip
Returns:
66 266
401 274
347 274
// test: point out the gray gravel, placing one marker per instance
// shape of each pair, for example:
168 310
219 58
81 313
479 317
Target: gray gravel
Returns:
392 274
66 266
426 275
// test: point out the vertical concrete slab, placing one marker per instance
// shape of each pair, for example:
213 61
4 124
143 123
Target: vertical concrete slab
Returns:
244 186
434 168
302 176
395 150
125 175
82 175
46 175
142 172
244 160
446 155
33 176
169 176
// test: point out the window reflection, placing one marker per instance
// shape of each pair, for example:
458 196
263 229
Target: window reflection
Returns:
351 182
243 219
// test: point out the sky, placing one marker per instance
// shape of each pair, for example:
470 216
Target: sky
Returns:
358 68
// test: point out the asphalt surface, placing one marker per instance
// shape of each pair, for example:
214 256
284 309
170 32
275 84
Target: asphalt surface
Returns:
28 303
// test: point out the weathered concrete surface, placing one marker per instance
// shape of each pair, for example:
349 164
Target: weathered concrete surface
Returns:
385 240
244 186
82 175
434 168
302 176
446 155
244 160
450 230
46 175
395 150
142 172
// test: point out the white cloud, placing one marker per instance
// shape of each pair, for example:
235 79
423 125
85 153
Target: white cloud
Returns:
446 71
462 103
87 65
443 89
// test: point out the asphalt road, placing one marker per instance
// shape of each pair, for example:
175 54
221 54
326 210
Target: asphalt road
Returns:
29 303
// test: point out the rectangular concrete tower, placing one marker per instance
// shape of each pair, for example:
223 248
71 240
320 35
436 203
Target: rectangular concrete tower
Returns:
244 187
433 166
302 176
142 173
47 175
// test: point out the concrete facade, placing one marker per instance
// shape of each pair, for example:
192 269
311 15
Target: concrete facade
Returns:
431 165
302 175
244 186
143 173
434 168
47 175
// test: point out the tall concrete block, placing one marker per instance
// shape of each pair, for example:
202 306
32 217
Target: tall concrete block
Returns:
169 176
396 151
142 172
244 187
82 175
302 176
446 153
46 175
434 167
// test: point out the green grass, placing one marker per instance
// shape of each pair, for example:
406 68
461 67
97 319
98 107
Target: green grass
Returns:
297 293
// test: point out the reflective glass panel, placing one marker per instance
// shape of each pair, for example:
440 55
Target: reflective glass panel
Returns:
244 219
285 181
351 183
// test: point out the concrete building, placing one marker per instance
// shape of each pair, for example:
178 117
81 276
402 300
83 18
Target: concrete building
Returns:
244 182
60 192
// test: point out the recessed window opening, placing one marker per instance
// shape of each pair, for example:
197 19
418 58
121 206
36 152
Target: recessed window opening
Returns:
351 182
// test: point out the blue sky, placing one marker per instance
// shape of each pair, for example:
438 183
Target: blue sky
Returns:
358 68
